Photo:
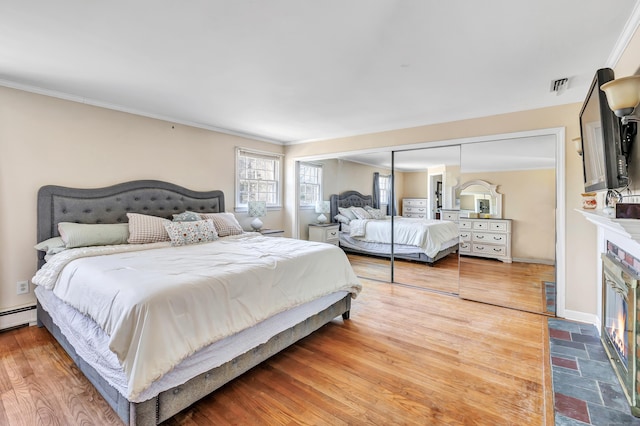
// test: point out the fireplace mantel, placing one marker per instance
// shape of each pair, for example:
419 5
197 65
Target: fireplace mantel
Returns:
629 228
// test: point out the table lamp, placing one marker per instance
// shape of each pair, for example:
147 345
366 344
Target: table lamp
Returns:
257 209
322 207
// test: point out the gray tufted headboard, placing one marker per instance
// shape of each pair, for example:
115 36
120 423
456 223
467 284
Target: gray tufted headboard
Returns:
348 199
111 204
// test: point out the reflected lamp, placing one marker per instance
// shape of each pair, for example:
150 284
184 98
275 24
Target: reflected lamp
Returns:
322 207
257 209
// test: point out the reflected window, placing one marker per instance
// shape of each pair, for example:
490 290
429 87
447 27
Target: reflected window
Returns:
310 178
385 192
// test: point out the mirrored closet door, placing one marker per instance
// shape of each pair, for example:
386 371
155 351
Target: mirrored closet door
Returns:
506 202
424 182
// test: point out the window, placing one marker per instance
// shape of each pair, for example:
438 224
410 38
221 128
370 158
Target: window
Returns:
385 190
258 178
310 176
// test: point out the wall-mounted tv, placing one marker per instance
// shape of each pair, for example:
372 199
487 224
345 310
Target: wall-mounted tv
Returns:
604 152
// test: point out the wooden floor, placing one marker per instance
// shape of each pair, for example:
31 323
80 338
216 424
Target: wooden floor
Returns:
407 356
515 285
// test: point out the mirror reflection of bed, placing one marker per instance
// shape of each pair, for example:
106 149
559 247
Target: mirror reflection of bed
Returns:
529 201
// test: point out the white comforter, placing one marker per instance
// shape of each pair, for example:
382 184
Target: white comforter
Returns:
160 304
429 235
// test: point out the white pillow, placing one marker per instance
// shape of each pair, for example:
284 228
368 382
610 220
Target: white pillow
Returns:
342 219
346 211
375 213
191 232
51 246
95 234
360 213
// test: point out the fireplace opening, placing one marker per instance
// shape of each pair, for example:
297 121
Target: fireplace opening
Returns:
616 322
619 320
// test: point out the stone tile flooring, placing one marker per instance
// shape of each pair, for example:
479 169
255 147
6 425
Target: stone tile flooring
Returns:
550 296
586 389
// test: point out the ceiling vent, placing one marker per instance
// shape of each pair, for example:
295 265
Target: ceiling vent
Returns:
560 85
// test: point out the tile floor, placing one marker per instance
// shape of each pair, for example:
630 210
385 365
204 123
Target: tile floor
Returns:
586 389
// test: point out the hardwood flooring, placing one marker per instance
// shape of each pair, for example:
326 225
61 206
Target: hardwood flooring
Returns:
514 285
407 356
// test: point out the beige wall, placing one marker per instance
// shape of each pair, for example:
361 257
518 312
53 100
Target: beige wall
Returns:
529 199
45 140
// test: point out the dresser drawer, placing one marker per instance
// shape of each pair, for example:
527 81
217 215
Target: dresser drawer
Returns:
489 249
488 238
331 234
449 216
415 215
464 248
415 210
465 236
414 202
481 224
498 226
464 224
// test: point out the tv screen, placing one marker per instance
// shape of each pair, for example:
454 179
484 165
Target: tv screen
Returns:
603 155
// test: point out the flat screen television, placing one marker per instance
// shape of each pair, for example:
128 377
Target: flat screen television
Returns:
604 152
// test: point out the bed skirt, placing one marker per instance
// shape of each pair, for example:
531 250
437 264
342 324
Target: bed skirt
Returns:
168 403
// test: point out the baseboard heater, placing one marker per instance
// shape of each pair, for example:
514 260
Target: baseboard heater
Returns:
18 317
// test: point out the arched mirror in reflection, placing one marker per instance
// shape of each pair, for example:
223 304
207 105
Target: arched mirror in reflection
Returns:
506 214
478 198
426 245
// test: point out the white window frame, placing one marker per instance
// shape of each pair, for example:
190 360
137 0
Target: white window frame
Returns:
384 189
241 205
319 186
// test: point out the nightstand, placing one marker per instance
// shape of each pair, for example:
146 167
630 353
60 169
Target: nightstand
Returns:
272 232
325 233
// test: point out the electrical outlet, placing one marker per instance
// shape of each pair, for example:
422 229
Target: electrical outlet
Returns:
22 287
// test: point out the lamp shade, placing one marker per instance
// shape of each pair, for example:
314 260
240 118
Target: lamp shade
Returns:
323 207
623 94
257 209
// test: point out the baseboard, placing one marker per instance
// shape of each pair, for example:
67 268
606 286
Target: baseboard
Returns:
540 261
582 317
18 317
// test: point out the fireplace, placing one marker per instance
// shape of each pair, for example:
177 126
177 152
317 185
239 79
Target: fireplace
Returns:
619 319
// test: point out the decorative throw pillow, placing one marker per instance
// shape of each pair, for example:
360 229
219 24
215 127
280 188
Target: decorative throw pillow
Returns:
375 213
226 223
346 211
144 229
51 246
191 232
93 234
186 216
342 219
360 213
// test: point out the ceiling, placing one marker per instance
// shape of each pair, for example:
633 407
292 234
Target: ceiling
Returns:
291 71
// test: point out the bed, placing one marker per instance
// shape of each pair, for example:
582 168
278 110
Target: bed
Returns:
114 342
423 240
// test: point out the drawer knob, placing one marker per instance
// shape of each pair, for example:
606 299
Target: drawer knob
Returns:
480 237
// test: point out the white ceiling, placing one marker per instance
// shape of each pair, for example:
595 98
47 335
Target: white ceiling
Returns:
299 70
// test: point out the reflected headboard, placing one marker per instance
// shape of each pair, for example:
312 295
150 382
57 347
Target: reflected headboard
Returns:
111 204
348 199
